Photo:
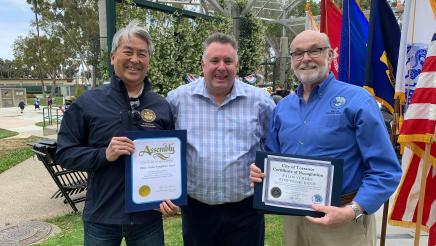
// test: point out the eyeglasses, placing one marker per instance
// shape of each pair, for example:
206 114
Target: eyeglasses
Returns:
313 53
133 112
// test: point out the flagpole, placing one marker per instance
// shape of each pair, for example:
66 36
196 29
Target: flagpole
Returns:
394 136
425 166
384 223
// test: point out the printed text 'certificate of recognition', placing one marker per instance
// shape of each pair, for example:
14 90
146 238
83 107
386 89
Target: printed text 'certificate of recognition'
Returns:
297 183
156 172
293 183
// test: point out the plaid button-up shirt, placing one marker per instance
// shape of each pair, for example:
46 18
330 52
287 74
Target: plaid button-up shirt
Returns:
222 140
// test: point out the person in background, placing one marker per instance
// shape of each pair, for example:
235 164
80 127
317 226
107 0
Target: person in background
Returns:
49 101
226 121
279 91
329 118
21 105
91 139
36 103
276 98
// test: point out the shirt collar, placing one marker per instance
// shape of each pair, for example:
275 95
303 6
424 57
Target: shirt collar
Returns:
319 89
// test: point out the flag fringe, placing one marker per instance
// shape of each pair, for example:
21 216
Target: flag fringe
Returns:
425 138
407 224
420 152
379 99
433 7
401 96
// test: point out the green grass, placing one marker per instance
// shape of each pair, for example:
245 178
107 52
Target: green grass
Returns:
57 101
273 230
71 226
53 122
173 231
72 231
14 157
41 123
6 133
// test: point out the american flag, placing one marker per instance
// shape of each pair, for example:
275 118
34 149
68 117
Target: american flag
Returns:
418 25
418 130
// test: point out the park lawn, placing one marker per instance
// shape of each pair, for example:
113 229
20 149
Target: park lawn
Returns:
71 226
72 231
41 123
13 157
6 133
14 151
57 101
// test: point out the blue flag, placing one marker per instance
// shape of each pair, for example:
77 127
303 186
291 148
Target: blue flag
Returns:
382 53
353 44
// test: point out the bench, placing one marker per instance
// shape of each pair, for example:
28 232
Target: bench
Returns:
72 184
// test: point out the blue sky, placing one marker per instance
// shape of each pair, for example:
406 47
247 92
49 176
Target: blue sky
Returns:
15 20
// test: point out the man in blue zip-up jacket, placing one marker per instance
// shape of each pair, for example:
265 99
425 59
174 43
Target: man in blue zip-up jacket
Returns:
90 139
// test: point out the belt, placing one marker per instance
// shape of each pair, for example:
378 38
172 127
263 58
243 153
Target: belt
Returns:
347 198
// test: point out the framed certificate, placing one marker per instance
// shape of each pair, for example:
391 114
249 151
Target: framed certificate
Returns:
156 171
293 183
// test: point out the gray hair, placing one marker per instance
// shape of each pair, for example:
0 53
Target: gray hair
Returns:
134 28
221 38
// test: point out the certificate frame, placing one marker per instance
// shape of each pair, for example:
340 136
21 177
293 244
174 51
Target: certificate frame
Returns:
266 205
146 200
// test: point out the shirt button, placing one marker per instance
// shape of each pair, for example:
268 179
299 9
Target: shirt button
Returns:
300 142
305 122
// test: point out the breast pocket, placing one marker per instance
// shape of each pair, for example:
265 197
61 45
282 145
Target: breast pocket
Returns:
245 132
334 120
331 133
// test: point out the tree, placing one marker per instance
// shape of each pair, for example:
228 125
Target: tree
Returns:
177 43
251 44
7 69
52 55
75 23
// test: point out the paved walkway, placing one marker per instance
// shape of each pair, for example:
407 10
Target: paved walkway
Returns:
25 189
24 124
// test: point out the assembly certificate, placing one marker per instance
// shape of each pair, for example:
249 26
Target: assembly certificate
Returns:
297 183
156 171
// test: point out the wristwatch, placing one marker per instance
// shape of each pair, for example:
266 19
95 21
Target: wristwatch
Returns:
357 209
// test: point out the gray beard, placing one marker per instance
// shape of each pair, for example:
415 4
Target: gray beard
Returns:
313 79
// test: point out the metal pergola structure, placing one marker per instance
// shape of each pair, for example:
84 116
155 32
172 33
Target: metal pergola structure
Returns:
275 11
107 18
271 11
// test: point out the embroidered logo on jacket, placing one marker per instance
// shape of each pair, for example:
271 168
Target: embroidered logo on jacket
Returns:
148 115
338 102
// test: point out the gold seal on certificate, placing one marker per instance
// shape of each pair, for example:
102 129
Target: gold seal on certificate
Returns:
144 190
293 183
